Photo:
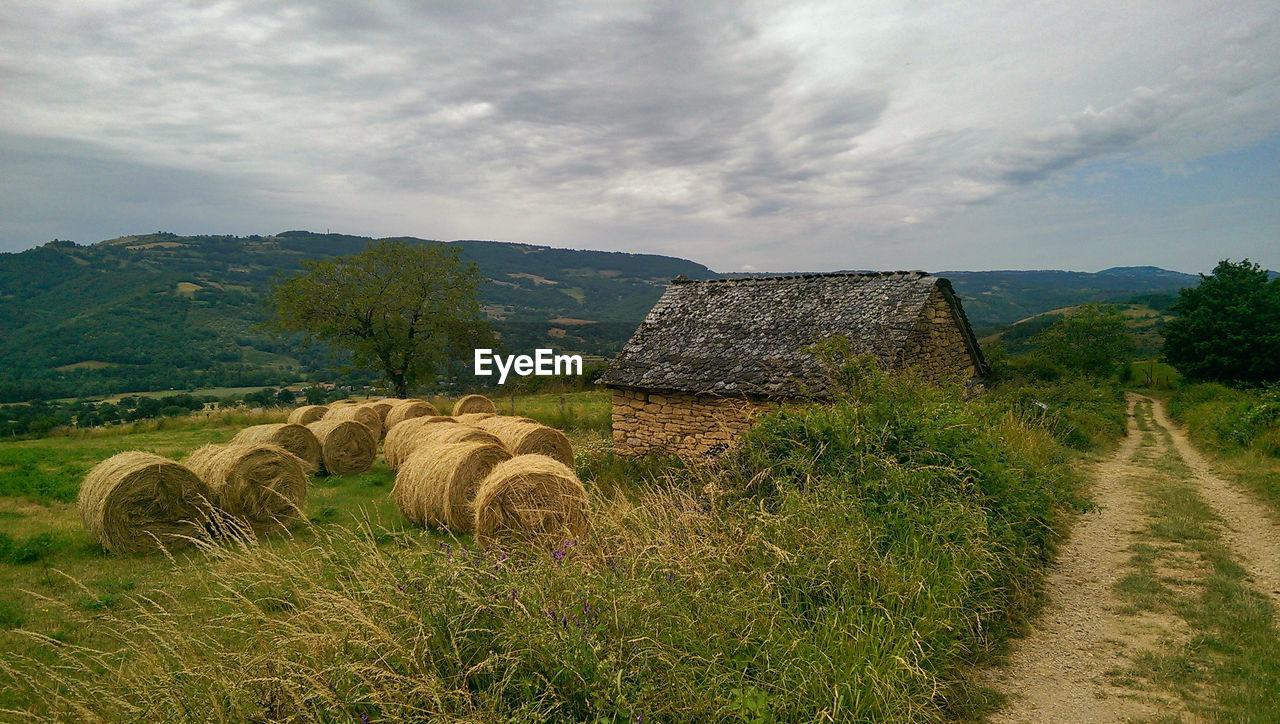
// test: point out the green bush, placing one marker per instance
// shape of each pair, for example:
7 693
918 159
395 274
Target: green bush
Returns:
1227 418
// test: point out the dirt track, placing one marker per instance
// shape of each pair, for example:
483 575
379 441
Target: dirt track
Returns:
1060 672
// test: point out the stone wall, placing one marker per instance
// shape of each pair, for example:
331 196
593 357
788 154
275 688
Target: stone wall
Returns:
937 345
680 423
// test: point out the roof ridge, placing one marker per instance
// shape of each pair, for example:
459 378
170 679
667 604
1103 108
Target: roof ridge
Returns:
900 274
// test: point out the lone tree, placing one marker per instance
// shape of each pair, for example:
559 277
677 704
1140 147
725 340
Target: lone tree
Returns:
1092 340
1228 327
400 308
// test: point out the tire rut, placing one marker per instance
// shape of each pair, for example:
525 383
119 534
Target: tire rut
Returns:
1251 532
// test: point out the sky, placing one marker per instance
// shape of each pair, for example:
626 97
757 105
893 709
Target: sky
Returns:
746 136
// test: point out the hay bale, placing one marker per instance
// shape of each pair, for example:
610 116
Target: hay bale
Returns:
409 409
530 496
427 432
473 403
382 407
471 418
523 436
394 447
346 446
135 501
297 439
307 414
366 416
437 482
260 485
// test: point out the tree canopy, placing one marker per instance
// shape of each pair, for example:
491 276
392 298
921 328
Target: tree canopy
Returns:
1093 340
1228 327
400 308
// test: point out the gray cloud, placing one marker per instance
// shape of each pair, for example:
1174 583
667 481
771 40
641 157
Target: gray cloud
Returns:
816 133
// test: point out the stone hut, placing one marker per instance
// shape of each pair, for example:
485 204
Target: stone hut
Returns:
712 354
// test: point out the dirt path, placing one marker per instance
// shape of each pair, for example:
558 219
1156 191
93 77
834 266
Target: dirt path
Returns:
1065 669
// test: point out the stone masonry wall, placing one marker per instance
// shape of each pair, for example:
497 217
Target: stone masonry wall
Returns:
680 423
937 345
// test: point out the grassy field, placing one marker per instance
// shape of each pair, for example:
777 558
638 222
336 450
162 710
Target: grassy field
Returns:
51 572
850 562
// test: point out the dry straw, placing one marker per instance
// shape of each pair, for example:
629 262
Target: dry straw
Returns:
523 436
428 432
362 414
473 403
400 435
346 446
297 439
437 482
409 409
382 407
135 501
471 418
262 486
530 496
307 414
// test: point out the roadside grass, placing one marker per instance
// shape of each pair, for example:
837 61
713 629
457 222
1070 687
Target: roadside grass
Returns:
1241 428
1229 669
850 563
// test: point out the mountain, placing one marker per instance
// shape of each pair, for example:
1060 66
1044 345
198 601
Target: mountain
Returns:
996 298
162 311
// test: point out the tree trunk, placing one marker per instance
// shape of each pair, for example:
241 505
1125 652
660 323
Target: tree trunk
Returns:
399 387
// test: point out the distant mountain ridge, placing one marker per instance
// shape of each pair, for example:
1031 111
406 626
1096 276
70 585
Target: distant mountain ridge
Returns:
160 311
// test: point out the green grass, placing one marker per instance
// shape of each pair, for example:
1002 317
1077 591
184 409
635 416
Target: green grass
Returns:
1229 669
1241 428
850 563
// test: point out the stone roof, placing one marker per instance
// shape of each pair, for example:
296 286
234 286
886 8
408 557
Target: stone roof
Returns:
754 335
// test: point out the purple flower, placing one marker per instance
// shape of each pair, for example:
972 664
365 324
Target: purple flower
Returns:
364 718
558 554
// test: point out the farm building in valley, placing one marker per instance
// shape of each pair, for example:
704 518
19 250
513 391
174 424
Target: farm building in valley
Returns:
712 354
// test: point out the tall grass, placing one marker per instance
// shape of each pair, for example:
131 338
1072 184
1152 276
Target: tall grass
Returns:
849 563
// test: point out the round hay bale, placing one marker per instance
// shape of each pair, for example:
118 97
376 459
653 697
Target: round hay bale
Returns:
471 418
297 439
523 436
396 447
346 447
261 485
135 501
530 496
473 403
366 416
307 414
382 407
407 410
432 433
437 482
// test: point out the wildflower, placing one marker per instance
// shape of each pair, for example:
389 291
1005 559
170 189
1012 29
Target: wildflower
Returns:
558 554
364 718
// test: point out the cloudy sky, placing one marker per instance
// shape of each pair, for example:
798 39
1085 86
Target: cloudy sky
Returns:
769 136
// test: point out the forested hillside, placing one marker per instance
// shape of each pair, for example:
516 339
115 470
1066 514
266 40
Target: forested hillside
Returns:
161 311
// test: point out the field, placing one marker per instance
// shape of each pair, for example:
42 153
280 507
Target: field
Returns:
51 571
850 562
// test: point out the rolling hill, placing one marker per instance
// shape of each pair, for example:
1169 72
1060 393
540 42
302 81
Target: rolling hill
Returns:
161 311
